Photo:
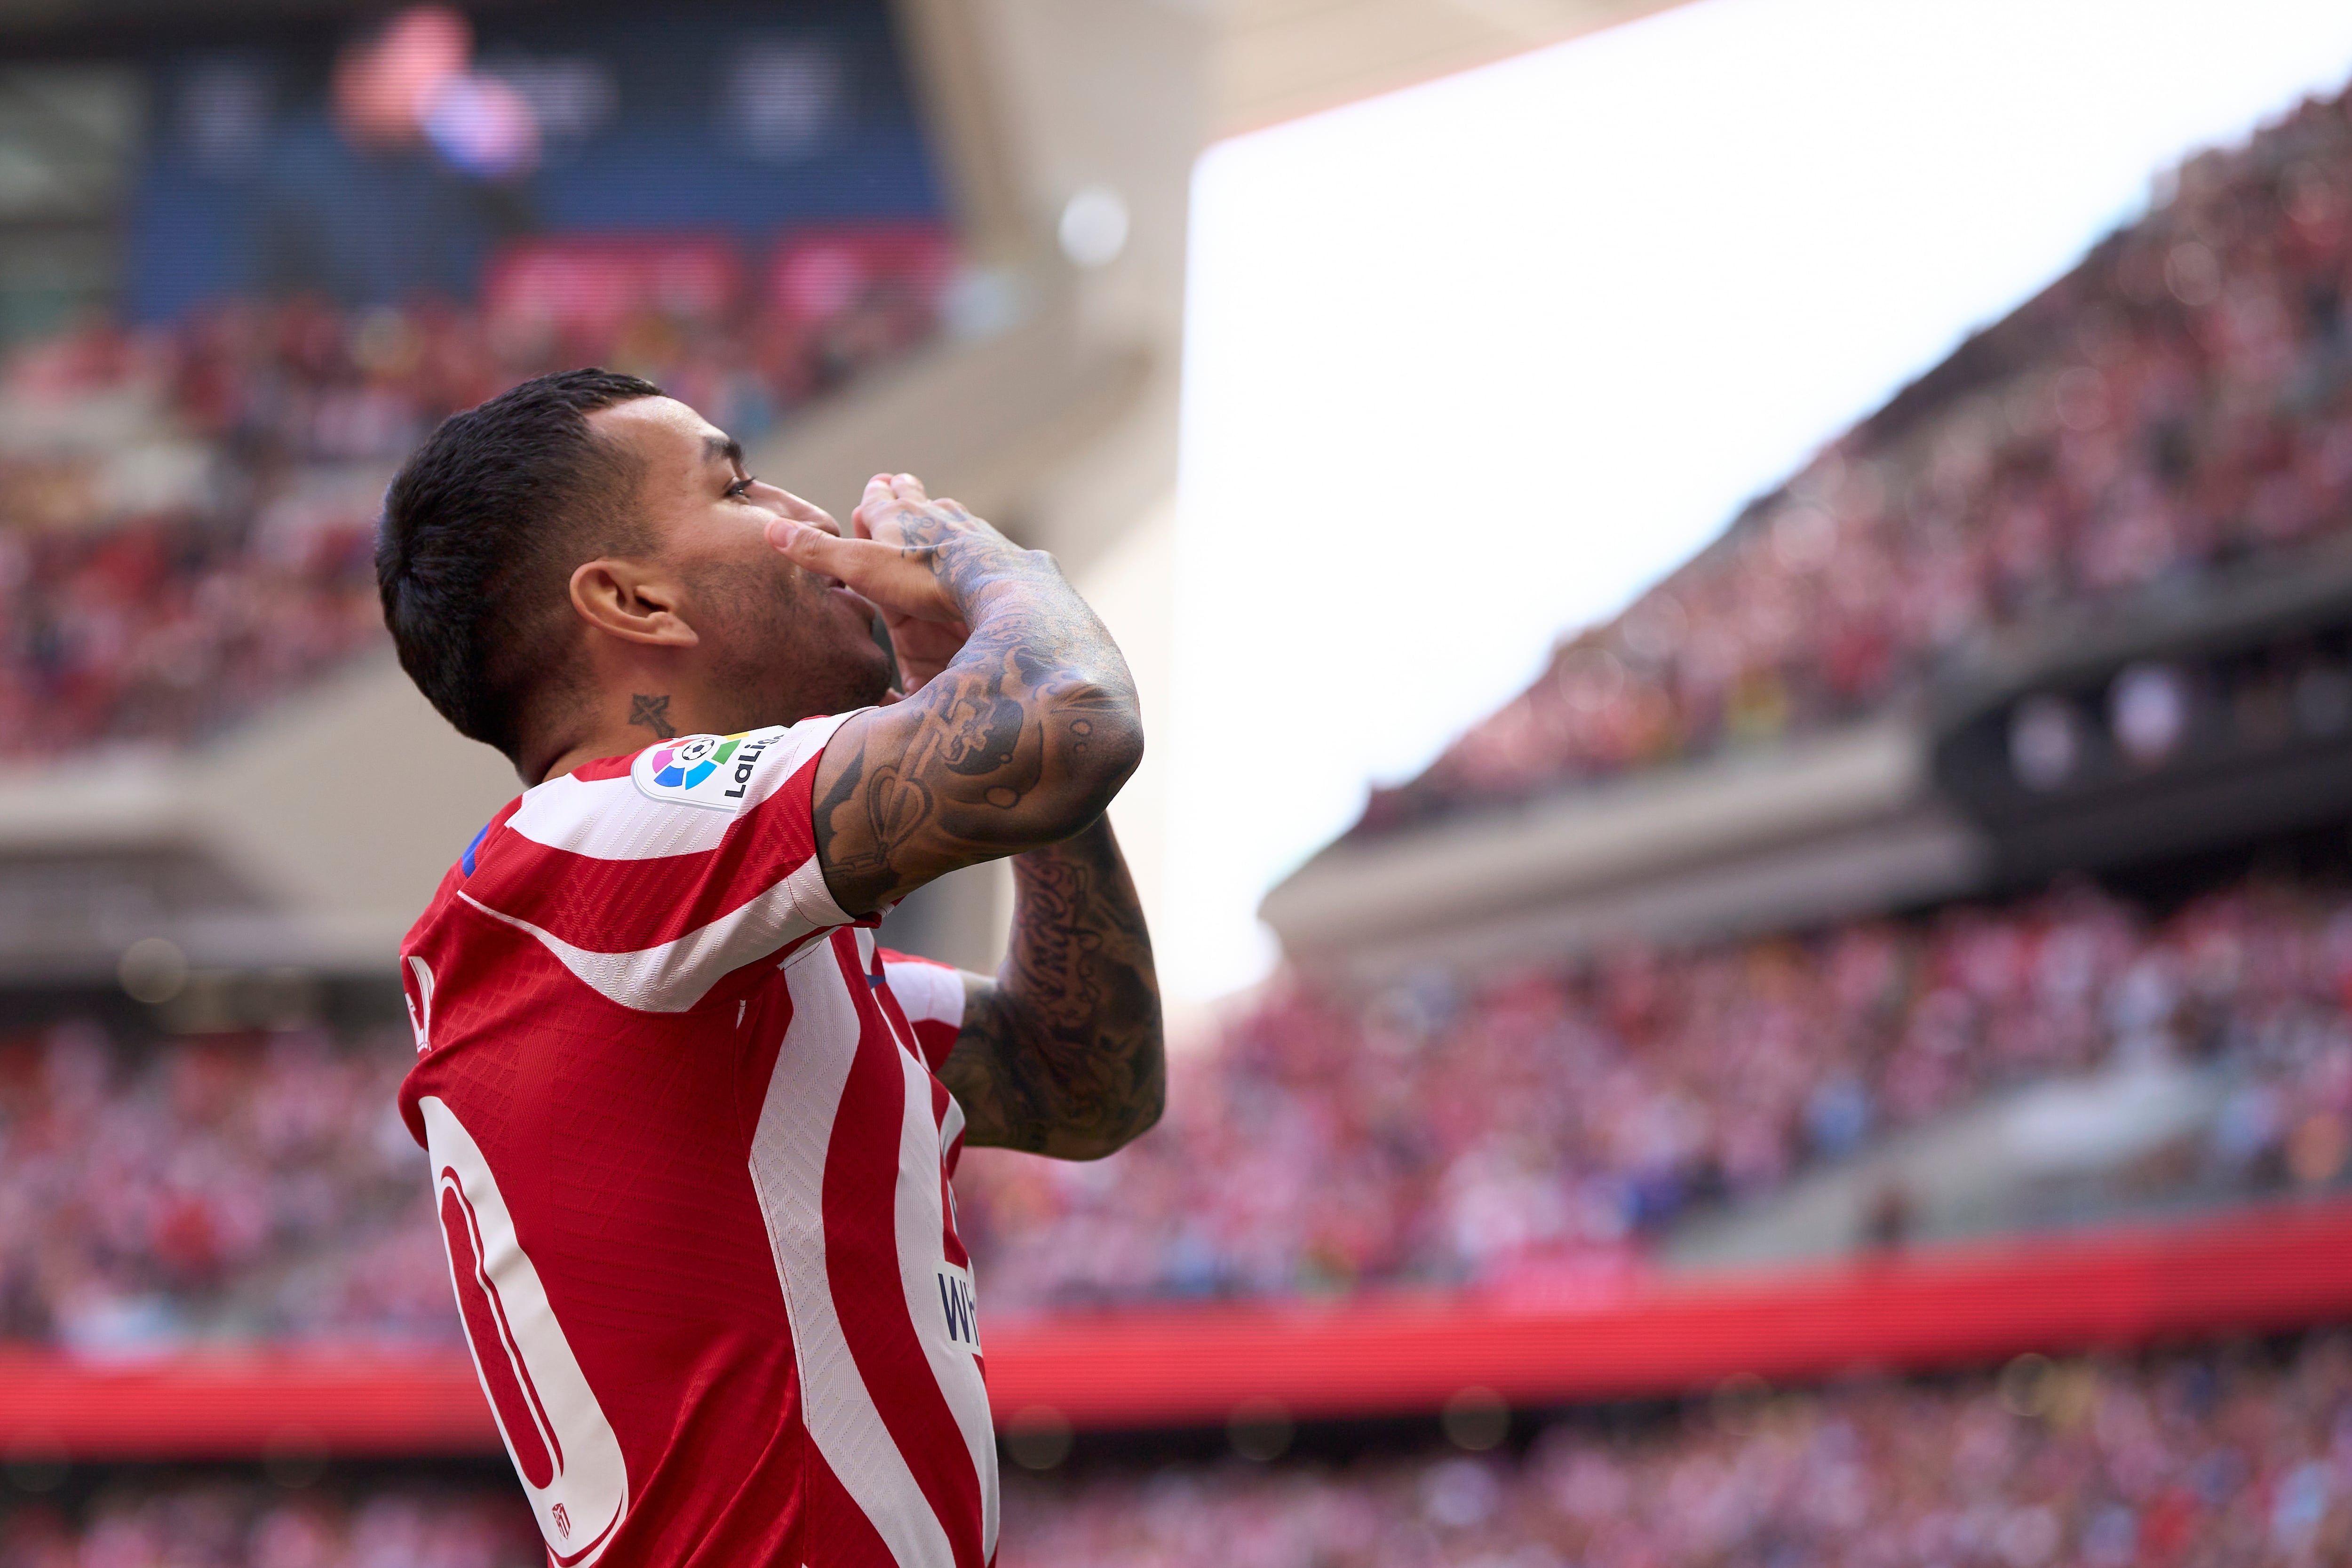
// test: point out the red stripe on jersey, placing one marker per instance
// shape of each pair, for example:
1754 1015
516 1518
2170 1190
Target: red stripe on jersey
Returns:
504 1377
934 1033
934 1040
628 906
839 1533
861 1253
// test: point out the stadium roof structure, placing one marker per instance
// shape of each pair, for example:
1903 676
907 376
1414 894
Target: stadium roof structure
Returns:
1277 59
1831 826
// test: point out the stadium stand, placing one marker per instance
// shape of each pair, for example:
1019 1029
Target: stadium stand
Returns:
2178 404
1544 1184
1444 1136
213 1523
229 1185
255 1185
2210 1457
2234 1455
193 507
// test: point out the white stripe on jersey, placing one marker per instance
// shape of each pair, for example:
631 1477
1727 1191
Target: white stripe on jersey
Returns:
922 1228
672 976
929 993
788 1155
600 817
613 820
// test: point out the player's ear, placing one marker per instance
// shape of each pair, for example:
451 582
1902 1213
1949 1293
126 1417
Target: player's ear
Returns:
631 601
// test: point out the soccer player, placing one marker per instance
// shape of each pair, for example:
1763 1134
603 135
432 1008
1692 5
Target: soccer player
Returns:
690 1129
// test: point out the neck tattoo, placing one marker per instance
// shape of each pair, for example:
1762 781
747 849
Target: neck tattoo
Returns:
653 713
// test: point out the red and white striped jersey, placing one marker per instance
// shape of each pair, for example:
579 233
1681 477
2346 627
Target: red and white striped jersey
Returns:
690 1157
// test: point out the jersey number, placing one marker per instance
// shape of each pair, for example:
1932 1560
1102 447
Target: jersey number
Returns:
563 1448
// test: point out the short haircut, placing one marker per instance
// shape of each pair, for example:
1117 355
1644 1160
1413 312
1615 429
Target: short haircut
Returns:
482 528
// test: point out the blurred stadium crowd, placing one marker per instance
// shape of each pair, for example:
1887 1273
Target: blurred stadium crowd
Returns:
245 1186
261 1186
184 520
2199 1459
187 514
2241 1456
211 1524
2178 404
1476 1138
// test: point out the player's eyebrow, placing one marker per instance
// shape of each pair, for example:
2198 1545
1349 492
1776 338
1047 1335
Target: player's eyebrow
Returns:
726 449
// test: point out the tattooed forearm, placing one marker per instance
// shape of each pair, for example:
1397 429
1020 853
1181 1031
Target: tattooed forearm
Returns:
1014 743
653 713
1023 737
1063 1055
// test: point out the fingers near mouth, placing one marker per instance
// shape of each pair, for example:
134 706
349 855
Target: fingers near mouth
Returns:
857 601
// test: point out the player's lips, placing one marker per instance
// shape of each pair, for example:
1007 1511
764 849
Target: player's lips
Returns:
835 588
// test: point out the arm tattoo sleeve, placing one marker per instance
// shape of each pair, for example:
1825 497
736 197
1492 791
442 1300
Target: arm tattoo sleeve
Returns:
1062 1055
1017 744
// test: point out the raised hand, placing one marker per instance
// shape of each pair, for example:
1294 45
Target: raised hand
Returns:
1019 725
901 552
1020 720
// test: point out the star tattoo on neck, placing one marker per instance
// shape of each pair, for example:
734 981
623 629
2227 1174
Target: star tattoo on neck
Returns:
653 713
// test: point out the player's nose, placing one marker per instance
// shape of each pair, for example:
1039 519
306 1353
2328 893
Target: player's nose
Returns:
780 500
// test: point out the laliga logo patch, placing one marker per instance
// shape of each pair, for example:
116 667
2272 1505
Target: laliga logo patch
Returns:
690 762
712 771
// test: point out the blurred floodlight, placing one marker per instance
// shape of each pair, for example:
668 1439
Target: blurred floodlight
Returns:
1094 226
483 126
2149 710
1475 1419
781 98
2045 742
1260 1429
153 970
1038 1438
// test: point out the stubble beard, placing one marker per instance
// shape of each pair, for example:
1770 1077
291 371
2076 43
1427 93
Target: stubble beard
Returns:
778 666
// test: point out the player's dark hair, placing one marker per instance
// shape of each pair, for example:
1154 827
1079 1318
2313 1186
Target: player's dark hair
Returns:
482 530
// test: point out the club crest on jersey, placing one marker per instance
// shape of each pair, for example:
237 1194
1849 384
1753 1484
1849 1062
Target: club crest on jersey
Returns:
712 771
